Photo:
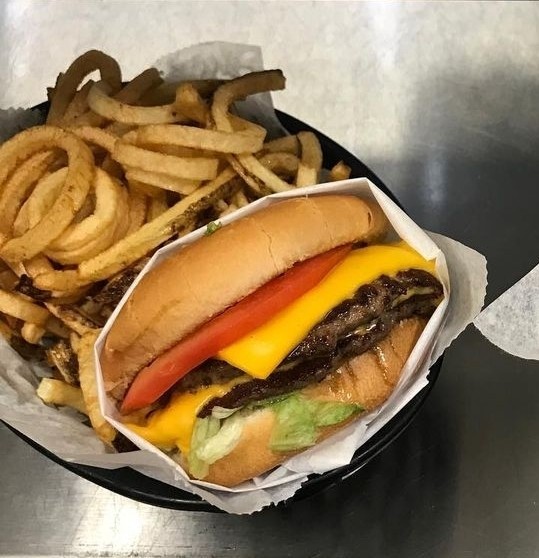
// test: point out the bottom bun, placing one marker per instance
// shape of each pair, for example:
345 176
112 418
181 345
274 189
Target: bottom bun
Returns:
367 380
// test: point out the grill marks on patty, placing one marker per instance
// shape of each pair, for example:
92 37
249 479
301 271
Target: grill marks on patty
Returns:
306 372
350 329
369 302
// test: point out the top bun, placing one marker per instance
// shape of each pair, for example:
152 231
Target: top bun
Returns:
203 279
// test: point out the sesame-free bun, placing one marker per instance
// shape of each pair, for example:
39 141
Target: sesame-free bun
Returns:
203 279
367 380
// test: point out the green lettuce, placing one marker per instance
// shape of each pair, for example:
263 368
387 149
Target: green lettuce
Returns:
295 427
212 439
298 421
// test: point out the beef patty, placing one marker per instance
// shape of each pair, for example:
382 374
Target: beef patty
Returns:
350 329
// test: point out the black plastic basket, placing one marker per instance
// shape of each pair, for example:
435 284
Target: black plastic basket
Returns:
130 483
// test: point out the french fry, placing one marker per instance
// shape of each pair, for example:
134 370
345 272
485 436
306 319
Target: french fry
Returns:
166 92
200 168
239 88
130 93
79 105
40 201
56 392
254 169
286 144
67 84
16 189
32 333
145 189
311 160
92 235
100 101
138 206
74 191
72 318
280 162
96 136
19 307
57 328
240 199
158 206
190 103
139 85
63 281
229 209
164 181
64 358
198 138
340 172
88 384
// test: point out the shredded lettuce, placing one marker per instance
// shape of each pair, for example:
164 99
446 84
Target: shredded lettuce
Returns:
203 431
298 420
222 413
295 427
212 439
212 227
223 442
328 413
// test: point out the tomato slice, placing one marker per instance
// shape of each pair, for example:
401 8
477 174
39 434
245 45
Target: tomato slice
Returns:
226 328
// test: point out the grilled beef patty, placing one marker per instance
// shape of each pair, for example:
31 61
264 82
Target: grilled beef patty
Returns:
350 329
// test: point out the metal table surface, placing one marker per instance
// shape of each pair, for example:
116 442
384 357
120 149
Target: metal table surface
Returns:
440 100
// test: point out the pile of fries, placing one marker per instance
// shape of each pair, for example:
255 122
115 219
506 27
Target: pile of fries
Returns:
117 171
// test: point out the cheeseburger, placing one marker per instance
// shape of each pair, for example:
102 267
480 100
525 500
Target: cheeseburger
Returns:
268 335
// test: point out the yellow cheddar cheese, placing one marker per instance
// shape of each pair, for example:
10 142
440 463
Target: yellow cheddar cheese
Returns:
173 425
262 350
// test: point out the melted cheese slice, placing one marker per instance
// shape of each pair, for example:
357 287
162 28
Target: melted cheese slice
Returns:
173 425
261 351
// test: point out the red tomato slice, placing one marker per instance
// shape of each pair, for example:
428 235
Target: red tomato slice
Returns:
226 328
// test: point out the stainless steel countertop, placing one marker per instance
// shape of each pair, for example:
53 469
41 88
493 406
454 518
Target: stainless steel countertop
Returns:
440 100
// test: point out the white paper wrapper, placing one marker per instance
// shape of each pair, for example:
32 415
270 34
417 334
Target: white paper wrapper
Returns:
511 322
62 433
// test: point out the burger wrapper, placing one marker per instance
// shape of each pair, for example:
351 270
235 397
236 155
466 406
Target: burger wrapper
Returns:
464 290
62 432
